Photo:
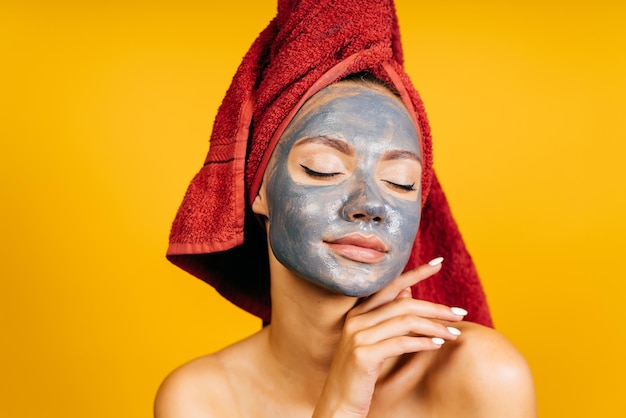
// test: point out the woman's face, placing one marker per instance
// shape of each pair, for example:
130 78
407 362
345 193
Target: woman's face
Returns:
342 189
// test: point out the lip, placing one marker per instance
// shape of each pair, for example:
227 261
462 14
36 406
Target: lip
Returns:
359 248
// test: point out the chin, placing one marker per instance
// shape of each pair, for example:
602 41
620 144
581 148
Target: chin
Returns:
344 278
357 288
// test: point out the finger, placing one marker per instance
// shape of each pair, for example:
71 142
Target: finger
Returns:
393 347
401 307
406 279
405 325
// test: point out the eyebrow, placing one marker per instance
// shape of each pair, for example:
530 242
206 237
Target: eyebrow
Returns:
401 155
337 144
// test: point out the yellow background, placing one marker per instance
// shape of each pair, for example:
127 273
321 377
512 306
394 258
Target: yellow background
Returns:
106 112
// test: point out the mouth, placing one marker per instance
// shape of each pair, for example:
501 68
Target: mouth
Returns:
359 248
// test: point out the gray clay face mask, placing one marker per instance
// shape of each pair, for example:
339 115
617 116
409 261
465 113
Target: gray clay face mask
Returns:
343 190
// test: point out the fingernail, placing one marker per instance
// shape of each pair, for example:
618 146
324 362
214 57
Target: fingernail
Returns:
459 311
435 261
438 341
454 331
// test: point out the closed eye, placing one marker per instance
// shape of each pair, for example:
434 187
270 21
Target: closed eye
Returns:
401 187
314 173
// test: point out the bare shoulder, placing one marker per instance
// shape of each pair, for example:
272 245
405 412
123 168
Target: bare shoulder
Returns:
490 375
216 385
194 390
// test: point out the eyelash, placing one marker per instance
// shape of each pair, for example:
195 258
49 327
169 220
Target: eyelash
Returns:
313 173
402 187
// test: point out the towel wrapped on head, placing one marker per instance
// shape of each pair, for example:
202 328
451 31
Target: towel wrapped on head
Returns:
307 46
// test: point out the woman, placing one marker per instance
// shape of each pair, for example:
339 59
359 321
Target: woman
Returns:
338 170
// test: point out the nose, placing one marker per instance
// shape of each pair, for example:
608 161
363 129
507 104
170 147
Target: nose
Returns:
364 205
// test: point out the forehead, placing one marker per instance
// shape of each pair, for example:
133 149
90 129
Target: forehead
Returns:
360 113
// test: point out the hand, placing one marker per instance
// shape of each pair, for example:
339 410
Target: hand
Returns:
385 325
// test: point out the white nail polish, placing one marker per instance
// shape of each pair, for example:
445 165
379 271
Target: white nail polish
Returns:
459 311
435 261
438 341
454 331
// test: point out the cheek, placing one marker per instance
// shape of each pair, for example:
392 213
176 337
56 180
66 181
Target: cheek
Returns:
302 210
403 221
298 218
291 211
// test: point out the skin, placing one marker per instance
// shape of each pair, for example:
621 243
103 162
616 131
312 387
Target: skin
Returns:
343 190
327 354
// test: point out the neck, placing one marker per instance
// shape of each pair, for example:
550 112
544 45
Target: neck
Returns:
306 326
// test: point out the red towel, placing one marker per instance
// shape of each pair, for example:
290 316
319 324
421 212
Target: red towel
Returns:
308 45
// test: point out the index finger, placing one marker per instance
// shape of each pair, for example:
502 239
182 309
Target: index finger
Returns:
393 289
